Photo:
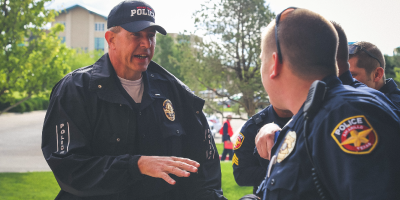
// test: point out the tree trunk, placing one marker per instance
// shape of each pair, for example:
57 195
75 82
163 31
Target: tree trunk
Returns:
16 104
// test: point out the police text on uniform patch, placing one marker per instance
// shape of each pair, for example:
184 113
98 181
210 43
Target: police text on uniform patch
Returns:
355 135
63 138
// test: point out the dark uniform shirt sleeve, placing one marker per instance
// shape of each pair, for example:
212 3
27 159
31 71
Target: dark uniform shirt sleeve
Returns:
66 146
369 171
246 167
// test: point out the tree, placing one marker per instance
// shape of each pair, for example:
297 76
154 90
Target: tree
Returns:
392 68
230 61
81 58
32 59
165 54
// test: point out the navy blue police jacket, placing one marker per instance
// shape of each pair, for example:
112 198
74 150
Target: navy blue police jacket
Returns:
387 97
391 91
353 144
246 167
93 137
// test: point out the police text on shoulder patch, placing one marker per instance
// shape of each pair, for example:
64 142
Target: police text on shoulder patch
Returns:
169 110
239 141
355 135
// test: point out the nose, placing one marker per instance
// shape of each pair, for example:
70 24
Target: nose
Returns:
145 42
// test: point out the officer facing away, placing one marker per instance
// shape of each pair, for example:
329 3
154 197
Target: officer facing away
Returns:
330 148
125 128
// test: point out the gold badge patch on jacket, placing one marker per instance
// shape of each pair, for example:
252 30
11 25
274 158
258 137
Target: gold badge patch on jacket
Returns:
355 135
287 146
169 110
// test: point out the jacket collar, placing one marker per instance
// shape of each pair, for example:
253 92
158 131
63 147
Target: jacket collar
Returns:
389 87
103 82
346 78
104 79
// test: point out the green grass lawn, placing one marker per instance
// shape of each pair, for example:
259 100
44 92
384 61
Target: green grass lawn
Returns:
32 185
43 185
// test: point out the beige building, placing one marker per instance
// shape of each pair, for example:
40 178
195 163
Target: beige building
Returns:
84 28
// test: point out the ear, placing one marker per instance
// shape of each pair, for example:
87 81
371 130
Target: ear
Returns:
378 74
110 36
276 66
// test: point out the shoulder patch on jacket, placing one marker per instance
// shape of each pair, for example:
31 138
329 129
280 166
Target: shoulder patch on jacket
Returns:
355 135
239 141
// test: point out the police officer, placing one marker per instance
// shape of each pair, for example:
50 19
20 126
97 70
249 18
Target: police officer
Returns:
345 75
125 128
367 65
330 147
249 169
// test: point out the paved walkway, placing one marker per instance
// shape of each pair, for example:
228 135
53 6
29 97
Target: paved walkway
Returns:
20 140
21 137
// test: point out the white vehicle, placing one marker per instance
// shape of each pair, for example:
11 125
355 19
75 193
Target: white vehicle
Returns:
215 124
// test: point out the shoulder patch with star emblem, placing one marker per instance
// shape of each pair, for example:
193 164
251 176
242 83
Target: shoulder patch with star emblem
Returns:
355 135
239 141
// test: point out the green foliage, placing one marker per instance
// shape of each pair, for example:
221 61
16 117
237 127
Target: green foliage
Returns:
166 54
231 59
32 185
392 69
32 104
32 59
82 59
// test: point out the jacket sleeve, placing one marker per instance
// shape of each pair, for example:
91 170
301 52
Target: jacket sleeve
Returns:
247 169
67 149
352 170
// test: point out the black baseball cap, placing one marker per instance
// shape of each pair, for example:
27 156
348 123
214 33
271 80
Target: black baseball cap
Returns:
133 16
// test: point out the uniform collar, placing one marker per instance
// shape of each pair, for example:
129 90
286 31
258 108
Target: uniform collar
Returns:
389 87
332 81
103 82
346 78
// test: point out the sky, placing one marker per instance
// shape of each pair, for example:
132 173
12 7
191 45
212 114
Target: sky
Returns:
375 21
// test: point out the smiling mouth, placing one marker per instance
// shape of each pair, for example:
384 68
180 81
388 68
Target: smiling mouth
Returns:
141 56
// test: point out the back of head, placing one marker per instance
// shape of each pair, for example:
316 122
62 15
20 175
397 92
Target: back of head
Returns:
367 62
309 43
342 56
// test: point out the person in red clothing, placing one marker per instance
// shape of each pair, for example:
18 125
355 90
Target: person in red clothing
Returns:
226 132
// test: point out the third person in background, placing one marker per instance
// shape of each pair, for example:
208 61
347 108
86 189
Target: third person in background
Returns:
367 65
226 132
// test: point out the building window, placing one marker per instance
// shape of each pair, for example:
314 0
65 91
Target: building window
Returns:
99 43
62 39
99 26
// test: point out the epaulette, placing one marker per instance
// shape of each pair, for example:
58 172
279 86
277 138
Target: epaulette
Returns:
258 118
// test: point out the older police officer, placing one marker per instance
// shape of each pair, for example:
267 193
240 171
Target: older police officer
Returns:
125 128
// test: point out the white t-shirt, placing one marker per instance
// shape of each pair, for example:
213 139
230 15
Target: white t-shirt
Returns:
133 88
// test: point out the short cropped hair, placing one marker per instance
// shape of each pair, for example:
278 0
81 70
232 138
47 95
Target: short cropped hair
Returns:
343 48
367 62
308 42
115 29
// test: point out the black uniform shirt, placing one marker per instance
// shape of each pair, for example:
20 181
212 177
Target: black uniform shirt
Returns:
391 91
353 140
246 167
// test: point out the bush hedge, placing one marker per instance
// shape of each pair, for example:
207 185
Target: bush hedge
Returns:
34 103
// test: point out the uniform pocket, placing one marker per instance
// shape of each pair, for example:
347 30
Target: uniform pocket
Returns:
282 181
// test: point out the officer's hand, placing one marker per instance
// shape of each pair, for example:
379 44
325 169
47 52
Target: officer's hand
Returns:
161 166
265 140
